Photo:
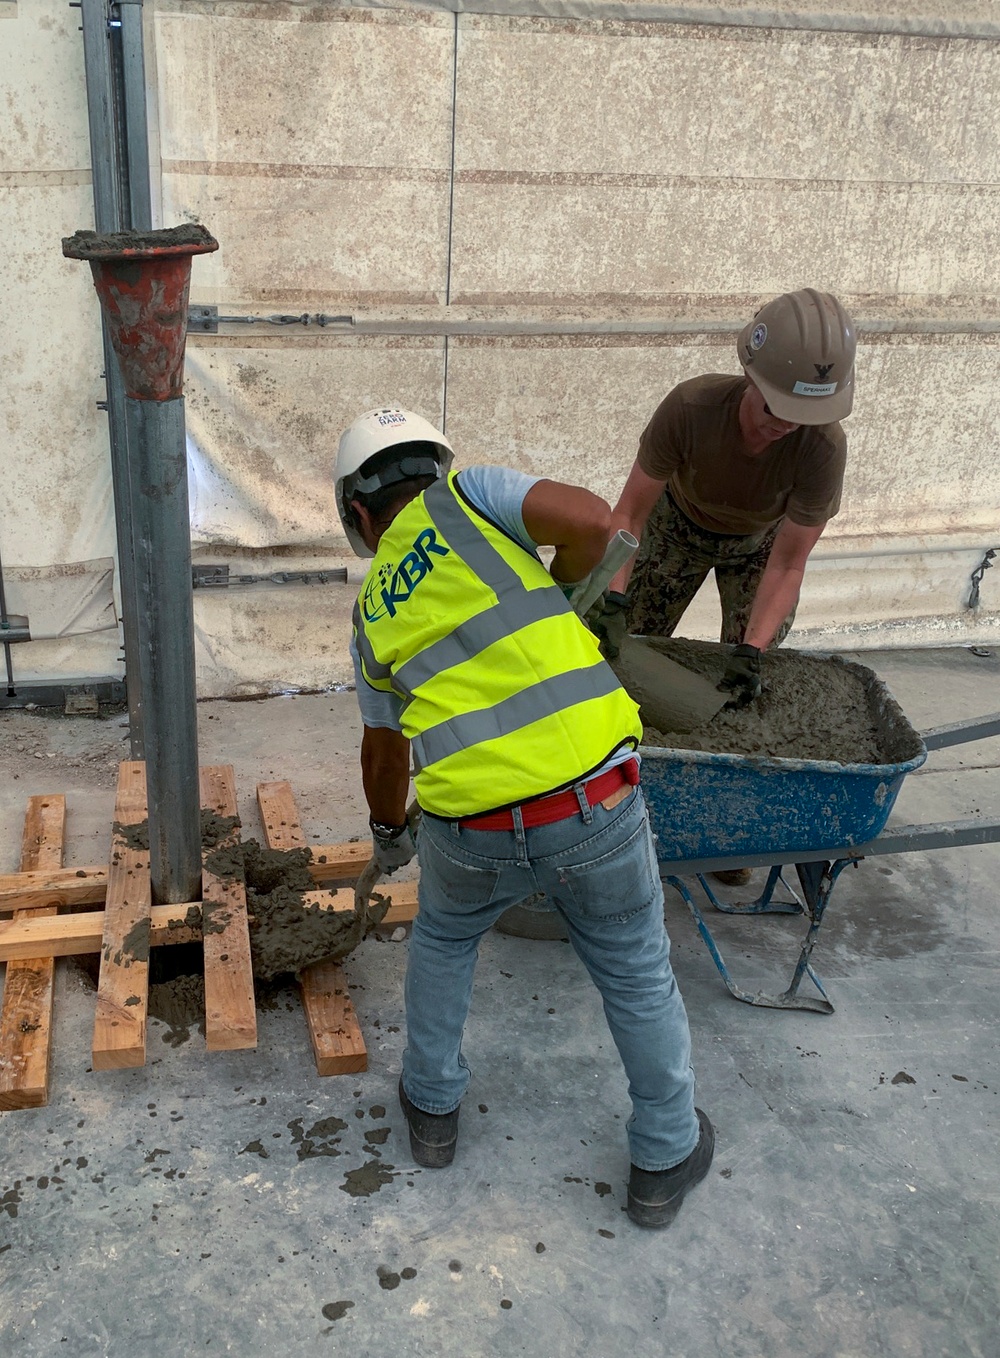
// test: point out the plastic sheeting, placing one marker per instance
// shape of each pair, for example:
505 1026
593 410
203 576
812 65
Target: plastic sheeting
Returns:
608 162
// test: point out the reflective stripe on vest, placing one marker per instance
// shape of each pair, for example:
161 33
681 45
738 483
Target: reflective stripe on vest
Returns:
531 615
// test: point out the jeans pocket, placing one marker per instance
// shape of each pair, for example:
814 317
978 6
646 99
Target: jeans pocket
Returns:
616 884
464 886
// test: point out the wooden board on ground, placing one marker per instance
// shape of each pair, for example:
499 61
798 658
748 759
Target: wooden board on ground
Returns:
26 1016
88 886
83 931
53 886
123 986
230 1006
337 1041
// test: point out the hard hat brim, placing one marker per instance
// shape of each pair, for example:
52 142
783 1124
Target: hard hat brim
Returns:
806 409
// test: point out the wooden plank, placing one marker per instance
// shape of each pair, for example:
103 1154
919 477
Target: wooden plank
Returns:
83 932
230 1006
339 862
88 886
337 1040
280 817
74 934
26 1015
123 985
65 886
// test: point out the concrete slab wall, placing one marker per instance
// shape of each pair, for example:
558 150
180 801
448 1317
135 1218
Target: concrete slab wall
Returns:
535 226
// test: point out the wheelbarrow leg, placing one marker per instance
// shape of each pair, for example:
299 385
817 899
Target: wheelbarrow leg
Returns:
764 904
817 880
709 942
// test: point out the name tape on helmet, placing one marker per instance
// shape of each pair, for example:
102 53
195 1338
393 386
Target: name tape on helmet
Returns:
814 388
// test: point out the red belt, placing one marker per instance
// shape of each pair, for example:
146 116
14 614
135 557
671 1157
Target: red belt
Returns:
559 805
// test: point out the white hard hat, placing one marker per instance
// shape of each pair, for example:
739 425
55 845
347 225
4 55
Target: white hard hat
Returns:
372 433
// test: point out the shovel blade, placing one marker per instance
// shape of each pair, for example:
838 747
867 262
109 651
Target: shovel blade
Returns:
670 696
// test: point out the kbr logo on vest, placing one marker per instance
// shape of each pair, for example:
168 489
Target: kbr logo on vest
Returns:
393 585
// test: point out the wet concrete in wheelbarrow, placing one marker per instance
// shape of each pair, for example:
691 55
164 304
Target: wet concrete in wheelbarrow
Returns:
810 707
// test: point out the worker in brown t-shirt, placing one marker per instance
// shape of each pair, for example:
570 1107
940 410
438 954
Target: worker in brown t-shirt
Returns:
740 475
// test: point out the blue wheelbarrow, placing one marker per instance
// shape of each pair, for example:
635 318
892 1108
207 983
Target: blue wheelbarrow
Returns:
710 812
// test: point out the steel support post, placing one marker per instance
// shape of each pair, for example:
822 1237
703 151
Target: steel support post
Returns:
142 280
110 215
162 535
136 149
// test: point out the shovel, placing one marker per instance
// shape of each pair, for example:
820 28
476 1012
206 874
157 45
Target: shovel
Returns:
372 874
670 697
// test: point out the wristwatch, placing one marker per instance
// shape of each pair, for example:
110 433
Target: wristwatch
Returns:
386 832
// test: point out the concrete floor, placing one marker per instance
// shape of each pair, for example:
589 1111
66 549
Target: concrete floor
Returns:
194 1206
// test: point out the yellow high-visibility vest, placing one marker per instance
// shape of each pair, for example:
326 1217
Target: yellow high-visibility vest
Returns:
505 693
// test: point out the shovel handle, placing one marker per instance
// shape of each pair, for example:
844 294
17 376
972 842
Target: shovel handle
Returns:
621 548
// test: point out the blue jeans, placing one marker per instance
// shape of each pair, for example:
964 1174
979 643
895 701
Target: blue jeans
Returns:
599 870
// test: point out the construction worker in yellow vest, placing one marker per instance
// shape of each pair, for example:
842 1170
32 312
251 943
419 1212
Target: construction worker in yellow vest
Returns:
470 661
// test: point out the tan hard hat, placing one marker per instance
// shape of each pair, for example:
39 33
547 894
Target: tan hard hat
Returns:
799 352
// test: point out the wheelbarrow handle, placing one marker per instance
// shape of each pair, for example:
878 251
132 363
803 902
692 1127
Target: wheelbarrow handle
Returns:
962 732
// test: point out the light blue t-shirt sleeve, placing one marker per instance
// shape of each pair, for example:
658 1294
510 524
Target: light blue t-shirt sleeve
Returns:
498 492
377 708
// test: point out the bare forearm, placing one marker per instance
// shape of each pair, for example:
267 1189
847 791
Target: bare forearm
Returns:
632 511
572 561
777 594
385 774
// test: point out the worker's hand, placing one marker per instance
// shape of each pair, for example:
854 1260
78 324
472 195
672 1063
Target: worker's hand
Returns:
608 622
742 675
392 846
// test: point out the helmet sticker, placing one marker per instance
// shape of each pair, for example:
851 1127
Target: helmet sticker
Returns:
391 417
758 336
822 371
814 388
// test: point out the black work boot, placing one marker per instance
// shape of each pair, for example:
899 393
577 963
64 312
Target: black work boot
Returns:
433 1136
655 1196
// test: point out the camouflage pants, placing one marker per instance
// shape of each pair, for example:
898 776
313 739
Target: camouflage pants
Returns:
673 560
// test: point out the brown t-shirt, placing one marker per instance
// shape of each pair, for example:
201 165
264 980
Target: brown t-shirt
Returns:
693 442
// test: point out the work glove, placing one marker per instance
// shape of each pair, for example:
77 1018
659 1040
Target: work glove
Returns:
742 675
569 588
607 620
392 846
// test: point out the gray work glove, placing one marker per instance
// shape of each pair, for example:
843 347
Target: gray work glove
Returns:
392 846
742 676
608 621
